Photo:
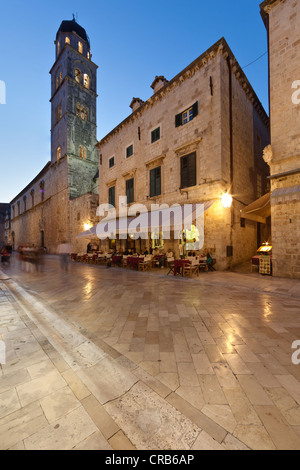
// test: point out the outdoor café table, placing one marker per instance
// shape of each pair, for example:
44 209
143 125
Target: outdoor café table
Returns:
178 265
133 261
117 259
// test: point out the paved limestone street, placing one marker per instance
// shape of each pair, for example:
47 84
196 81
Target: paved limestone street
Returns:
115 359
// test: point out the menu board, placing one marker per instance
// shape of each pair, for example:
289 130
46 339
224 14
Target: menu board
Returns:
265 265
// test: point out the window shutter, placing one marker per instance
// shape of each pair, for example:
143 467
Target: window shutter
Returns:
152 183
158 181
178 120
195 109
192 169
188 170
130 191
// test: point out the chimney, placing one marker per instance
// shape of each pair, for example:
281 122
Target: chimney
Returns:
136 103
158 83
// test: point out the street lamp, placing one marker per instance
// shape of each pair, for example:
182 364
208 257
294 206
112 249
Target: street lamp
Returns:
226 200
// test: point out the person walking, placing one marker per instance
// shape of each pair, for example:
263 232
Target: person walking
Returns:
64 250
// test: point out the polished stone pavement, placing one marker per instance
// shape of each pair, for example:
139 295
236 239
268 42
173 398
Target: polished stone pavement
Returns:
109 358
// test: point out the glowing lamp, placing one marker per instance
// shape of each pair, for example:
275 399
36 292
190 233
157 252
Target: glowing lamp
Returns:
87 226
226 200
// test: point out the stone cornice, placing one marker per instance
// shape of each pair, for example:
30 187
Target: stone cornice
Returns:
188 147
155 160
221 47
129 174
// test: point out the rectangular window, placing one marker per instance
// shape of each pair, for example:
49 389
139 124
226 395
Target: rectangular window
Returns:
187 115
155 182
130 190
188 170
155 135
111 162
129 151
112 196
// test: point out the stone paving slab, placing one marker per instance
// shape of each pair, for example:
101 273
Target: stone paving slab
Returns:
213 355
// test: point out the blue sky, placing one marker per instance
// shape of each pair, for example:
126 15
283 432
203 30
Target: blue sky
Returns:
131 41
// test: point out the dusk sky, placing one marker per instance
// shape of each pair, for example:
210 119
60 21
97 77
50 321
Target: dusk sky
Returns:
131 42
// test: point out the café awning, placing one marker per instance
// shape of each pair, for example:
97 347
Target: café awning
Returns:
258 210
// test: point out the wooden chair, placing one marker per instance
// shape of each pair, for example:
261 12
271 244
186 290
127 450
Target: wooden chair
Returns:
144 265
190 269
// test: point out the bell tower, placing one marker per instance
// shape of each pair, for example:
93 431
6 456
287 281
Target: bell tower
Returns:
73 107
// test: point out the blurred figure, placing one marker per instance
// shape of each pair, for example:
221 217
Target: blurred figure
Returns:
64 250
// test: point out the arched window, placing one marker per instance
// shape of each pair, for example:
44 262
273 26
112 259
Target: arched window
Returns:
78 110
84 153
57 82
67 40
58 48
86 80
58 153
86 113
80 47
82 112
60 77
80 151
77 75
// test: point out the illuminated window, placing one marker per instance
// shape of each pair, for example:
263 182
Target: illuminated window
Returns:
58 48
86 81
58 153
57 82
80 47
88 55
84 153
78 110
80 151
77 75
86 113
82 112
60 77
67 40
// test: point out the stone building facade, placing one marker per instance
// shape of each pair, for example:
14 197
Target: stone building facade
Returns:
4 219
198 136
62 199
282 20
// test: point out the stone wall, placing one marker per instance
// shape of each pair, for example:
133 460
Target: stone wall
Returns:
208 134
283 20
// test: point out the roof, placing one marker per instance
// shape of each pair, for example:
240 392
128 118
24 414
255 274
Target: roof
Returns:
39 176
70 26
